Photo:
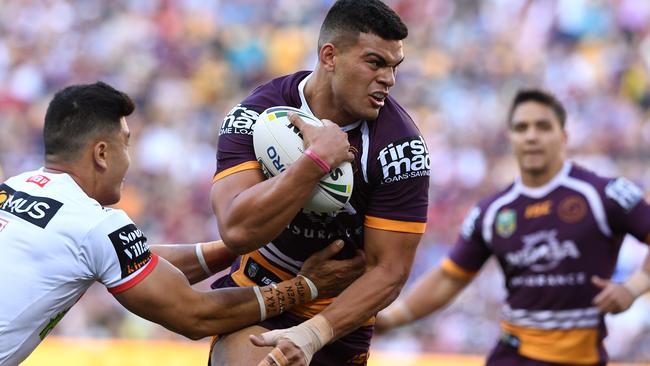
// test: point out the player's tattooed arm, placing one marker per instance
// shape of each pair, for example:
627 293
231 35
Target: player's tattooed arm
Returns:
197 261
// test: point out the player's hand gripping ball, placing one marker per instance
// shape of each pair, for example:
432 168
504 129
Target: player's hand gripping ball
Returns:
278 144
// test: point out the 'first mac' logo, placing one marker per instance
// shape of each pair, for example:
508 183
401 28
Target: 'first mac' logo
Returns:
36 210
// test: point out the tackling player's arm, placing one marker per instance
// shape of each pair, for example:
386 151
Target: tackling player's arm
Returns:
165 296
252 211
196 261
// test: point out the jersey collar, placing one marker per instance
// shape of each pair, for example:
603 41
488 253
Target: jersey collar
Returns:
68 181
305 107
538 192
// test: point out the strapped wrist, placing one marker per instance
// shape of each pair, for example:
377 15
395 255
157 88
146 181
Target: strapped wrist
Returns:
277 298
313 290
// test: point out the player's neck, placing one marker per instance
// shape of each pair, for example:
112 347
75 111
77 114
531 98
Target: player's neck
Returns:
319 96
76 172
535 179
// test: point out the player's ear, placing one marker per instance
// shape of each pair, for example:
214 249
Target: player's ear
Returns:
326 56
100 154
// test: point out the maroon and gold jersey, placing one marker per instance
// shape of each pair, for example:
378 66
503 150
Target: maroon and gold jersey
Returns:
391 180
549 241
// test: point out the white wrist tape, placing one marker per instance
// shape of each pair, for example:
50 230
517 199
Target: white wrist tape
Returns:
312 287
310 336
199 255
638 283
260 301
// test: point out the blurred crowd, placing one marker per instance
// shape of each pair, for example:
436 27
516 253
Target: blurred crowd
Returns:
188 62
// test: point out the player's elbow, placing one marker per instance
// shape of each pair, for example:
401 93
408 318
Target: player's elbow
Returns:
196 328
195 336
238 240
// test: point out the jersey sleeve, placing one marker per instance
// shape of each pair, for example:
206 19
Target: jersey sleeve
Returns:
400 174
235 150
470 251
118 254
627 210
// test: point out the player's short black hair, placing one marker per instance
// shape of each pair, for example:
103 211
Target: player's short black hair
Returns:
539 96
79 113
347 18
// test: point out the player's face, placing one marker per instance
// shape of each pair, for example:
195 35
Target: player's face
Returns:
363 75
118 163
538 140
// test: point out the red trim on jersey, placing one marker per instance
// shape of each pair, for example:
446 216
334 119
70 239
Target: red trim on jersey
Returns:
139 277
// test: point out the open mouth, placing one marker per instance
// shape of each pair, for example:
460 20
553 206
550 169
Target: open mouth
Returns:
378 99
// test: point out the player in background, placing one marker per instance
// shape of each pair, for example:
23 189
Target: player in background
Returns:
56 239
556 232
359 49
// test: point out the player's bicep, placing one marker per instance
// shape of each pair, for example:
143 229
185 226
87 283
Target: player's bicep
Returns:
470 251
225 190
164 297
391 250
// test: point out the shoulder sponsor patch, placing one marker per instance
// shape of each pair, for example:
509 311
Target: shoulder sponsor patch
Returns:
404 159
131 248
624 192
40 180
239 120
469 224
33 209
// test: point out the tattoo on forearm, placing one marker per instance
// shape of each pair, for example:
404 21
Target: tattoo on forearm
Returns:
282 296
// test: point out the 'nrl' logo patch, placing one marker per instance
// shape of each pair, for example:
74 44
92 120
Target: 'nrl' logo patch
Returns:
506 223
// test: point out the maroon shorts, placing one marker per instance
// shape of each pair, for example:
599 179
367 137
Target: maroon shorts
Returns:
351 349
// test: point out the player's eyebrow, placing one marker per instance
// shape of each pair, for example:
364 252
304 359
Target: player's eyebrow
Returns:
382 60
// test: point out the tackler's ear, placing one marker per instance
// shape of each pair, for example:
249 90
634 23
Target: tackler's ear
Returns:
100 154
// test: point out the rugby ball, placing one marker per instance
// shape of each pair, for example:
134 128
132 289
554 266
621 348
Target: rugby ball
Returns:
278 143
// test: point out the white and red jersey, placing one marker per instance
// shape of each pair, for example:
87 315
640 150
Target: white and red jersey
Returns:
55 241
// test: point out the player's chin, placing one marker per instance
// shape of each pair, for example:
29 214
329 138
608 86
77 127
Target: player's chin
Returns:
534 167
369 113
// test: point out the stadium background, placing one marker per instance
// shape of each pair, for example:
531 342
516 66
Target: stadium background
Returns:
187 62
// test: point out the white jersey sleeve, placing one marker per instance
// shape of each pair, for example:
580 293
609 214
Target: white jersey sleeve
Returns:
117 252
55 241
